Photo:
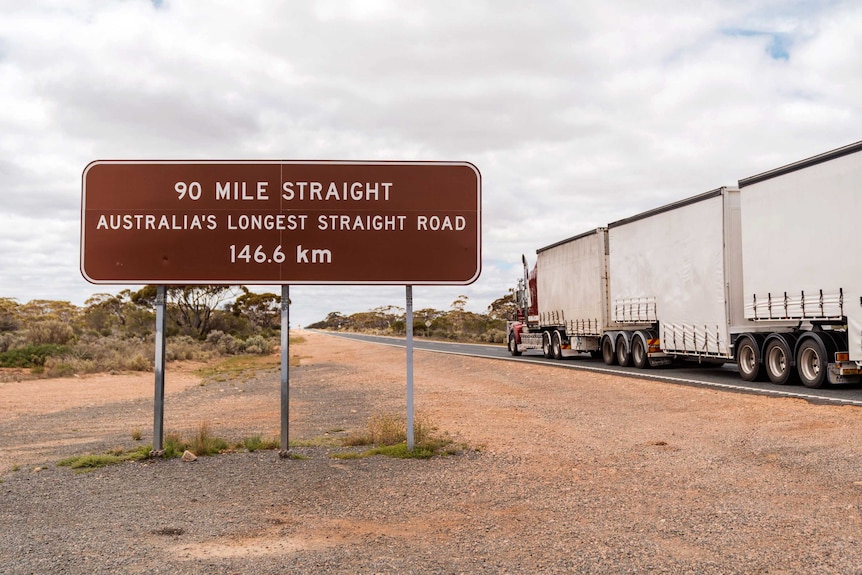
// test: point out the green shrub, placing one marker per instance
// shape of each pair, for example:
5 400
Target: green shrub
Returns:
50 332
10 340
93 354
223 343
31 355
181 347
258 345
495 336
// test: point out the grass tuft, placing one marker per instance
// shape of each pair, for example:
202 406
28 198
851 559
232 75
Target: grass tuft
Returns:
387 435
257 443
205 443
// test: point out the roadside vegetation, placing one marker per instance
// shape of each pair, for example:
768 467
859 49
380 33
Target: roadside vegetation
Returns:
455 324
384 434
115 333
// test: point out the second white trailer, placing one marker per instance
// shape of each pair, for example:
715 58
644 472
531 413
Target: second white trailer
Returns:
674 275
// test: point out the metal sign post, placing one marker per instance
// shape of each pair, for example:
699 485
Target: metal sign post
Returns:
285 373
159 395
410 368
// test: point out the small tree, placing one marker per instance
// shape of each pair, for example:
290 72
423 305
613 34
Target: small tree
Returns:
190 308
194 306
503 307
10 316
263 310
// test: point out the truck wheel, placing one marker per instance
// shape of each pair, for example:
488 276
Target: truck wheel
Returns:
811 363
746 359
639 352
546 346
557 346
624 356
513 345
608 355
776 360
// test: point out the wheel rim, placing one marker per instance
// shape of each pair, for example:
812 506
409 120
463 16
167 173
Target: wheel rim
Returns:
777 361
747 359
809 364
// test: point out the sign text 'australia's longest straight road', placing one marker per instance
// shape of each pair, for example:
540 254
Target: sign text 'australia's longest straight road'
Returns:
281 222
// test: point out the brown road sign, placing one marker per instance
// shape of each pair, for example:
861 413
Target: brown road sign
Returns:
281 222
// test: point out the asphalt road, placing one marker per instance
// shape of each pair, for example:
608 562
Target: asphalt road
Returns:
684 373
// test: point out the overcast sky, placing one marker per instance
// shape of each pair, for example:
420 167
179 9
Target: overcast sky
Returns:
577 113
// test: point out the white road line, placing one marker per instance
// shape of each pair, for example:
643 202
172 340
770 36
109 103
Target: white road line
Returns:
645 375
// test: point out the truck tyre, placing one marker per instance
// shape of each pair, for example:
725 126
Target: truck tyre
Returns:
777 361
640 359
746 359
513 345
812 362
624 356
557 346
546 346
608 355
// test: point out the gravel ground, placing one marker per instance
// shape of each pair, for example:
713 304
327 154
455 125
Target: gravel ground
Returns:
568 473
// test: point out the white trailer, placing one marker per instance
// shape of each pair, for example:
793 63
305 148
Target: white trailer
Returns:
802 269
673 272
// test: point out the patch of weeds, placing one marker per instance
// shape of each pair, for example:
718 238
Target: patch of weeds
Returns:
89 462
205 443
238 365
16 467
400 451
257 443
173 445
136 434
387 434
84 463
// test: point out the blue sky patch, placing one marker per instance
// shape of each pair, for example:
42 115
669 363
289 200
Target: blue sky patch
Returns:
779 45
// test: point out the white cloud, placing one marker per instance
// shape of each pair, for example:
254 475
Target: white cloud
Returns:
577 114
